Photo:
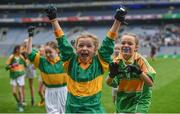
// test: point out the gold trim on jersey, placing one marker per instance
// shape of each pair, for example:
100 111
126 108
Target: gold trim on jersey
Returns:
127 85
58 33
36 59
112 35
104 64
53 79
88 88
17 68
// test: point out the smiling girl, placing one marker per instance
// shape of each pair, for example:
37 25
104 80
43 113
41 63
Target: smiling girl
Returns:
133 76
86 66
52 73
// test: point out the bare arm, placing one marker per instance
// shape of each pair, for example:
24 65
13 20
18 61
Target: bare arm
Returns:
119 19
115 27
107 47
51 12
31 34
63 45
29 45
146 79
56 25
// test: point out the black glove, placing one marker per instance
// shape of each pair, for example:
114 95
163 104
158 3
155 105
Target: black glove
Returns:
133 68
120 15
31 31
114 69
51 12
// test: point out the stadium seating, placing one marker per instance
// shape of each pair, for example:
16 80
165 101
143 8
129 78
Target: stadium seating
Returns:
147 34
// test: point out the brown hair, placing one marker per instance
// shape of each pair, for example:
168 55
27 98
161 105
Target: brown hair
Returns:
16 49
135 37
52 45
88 35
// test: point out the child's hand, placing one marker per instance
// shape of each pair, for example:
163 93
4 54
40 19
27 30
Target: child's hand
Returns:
114 69
31 31
134 68
120 15
51 12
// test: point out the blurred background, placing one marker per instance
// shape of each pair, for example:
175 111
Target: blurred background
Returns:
156 22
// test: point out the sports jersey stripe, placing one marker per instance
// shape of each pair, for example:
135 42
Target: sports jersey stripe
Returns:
133 85
54 79
85 88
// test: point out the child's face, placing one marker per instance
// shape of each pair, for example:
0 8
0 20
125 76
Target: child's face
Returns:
50 52
128 45
116 49
42 51
85 49
18 51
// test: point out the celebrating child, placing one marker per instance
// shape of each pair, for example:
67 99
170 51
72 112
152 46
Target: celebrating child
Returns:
86 66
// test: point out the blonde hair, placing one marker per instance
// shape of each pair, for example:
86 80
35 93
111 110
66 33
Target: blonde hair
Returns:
88 35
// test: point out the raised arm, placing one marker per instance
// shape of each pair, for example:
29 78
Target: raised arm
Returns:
8 62
107 47
29 44
65 47
33 55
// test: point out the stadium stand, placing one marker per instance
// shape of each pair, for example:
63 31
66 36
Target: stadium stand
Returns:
154 23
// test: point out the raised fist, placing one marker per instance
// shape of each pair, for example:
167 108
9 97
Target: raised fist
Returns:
113 69
120 15
31 31
51 12
134 69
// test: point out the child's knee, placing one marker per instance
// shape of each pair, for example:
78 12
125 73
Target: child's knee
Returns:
14 93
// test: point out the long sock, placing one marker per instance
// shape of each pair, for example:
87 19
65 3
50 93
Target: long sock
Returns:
42 100
32 101
16 98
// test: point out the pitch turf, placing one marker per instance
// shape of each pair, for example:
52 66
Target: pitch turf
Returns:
166 91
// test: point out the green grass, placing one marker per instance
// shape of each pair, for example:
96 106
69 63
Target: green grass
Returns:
166 91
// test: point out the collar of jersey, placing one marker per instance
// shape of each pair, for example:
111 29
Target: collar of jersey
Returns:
130 60
55 60
83 65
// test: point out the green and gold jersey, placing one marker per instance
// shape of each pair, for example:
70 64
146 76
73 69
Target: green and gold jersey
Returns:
18 69
85 81
133 96
52 72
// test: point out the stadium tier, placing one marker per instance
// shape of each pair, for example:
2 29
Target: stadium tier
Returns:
155 21
161 36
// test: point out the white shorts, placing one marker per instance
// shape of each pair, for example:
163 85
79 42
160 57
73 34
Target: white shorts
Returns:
18 81
114 91
30 71
55 100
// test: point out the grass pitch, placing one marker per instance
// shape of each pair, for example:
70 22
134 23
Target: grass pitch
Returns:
166 90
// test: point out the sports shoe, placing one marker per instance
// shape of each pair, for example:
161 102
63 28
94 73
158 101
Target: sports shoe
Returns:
20 107
24 104
41 103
